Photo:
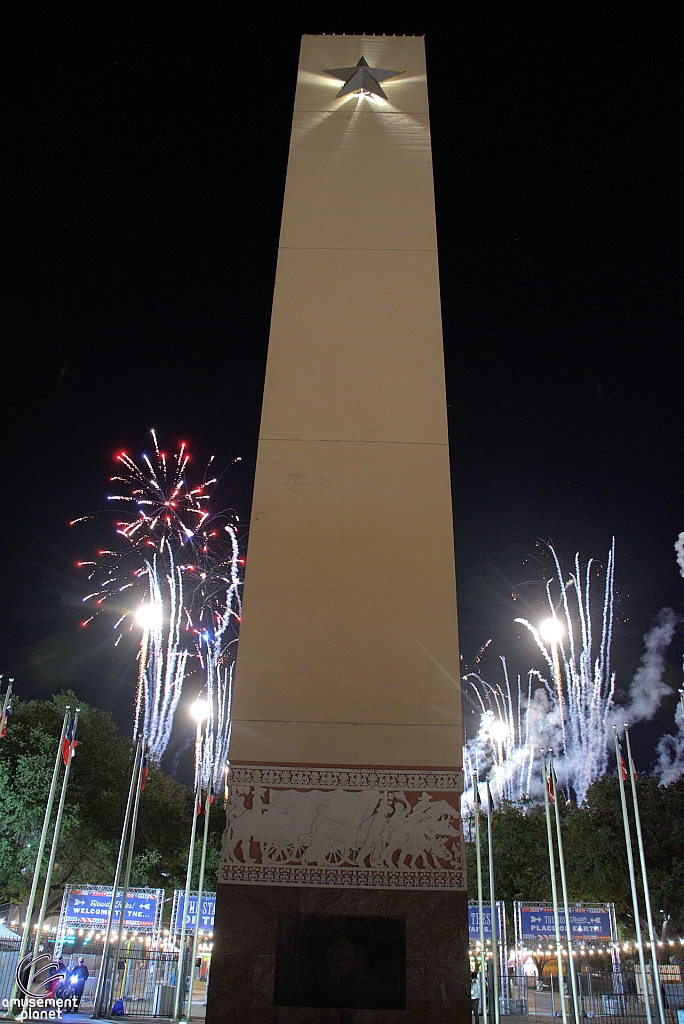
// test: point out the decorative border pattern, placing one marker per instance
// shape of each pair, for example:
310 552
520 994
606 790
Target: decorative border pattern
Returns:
341 878
345 778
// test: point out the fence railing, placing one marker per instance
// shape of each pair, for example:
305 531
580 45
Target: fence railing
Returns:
612 996
9 958
145 981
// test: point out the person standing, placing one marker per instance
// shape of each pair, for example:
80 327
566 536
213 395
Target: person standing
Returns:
475 995
78 978
56 975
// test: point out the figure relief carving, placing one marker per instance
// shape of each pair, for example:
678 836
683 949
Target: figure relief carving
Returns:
391 831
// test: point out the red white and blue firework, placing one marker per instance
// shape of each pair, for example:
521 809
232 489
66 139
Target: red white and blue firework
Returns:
180 561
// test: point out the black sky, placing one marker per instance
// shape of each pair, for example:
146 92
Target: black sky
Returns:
145 158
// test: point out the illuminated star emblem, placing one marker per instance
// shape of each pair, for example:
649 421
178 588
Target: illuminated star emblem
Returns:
362 79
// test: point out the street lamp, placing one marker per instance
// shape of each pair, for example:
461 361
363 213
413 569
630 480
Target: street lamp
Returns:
200 712
552 631
498 730
149 616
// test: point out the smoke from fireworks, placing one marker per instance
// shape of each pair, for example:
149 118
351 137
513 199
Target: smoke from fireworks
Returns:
670 749
679 548
179 563
670 752
578 727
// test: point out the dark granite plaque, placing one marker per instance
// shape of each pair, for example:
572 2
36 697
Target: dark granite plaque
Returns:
356 963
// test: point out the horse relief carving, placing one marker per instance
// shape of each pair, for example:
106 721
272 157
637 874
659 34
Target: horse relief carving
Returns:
366 829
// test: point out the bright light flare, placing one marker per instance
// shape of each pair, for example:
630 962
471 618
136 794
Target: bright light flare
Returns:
551 630
199 710
149 616
498 730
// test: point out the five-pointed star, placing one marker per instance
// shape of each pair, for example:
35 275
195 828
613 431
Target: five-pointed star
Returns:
362 79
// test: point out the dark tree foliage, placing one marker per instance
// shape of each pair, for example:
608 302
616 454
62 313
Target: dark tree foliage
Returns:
94 809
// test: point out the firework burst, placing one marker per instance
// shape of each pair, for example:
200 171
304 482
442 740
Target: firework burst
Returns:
176 558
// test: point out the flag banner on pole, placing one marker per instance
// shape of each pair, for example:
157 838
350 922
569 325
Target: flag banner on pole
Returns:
490 808
144 773
4 720
477 803
211 795
198 806
69 742
550 788
624 774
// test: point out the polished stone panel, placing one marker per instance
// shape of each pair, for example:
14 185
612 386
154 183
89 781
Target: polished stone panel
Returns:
246 940
338 960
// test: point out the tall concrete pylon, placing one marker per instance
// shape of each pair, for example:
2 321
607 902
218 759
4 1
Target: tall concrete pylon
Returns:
342 884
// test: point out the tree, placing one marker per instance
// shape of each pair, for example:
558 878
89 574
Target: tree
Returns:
94 809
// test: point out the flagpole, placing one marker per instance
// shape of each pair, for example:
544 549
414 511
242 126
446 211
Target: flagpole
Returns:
5 705
644 879
127 875
554 891
566 905
200 885
492 901
99 991
632 877
55 838
480 907
39 858
186 901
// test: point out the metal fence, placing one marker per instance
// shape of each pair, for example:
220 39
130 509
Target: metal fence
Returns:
144 979
9 957
613 996
146 982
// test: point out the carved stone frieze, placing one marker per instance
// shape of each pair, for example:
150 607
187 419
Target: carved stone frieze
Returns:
343 827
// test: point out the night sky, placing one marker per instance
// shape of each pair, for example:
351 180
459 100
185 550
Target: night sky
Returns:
145 159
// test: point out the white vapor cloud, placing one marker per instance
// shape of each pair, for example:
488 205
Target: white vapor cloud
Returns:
647 688
679 548
670 752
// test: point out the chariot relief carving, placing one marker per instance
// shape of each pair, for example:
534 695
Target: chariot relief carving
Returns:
366 836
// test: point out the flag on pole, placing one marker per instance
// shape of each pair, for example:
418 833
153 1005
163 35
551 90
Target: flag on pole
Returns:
144 773
477 803
4 720
550 785
211 795
198 806
66 743
490 808
69 743
624 774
